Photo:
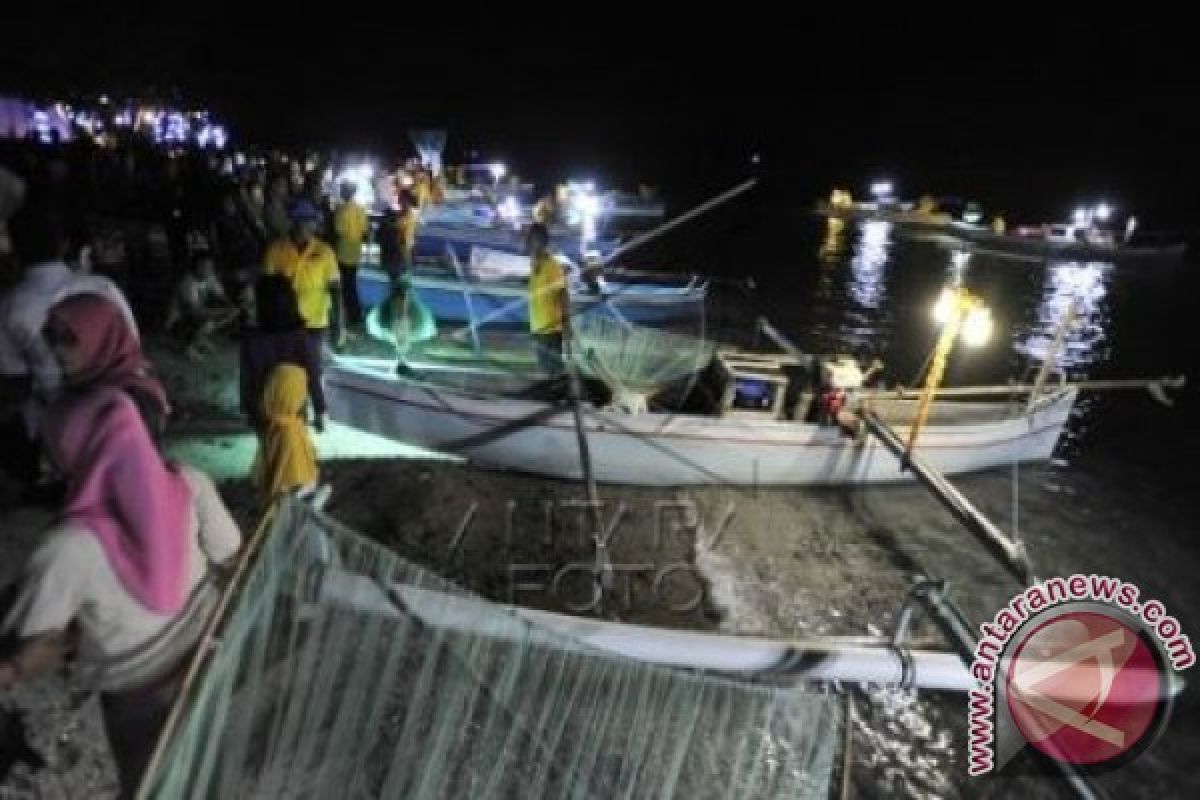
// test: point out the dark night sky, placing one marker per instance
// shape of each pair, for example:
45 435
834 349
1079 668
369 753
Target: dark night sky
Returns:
1008 104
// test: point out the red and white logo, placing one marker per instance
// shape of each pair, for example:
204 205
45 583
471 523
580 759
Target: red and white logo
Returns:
1085 687
1081 669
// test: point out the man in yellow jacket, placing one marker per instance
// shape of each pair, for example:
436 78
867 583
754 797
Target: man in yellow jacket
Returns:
548 301
350 226
312 268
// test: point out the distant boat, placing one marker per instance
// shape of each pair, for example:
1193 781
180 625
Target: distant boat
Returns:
1059 241
896 215
1028 243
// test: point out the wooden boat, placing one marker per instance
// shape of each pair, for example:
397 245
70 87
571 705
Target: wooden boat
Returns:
487 415
505 303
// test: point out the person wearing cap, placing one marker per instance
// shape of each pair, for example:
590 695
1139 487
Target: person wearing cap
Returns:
312 268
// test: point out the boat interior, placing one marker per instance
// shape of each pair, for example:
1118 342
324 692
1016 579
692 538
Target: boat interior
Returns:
733 384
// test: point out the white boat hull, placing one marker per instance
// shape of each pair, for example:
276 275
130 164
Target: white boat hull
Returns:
661 449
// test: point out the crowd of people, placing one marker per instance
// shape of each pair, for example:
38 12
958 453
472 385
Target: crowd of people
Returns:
96 249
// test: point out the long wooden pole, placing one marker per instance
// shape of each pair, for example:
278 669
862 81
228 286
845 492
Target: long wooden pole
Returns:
703 208
632 244
1001 389
603 574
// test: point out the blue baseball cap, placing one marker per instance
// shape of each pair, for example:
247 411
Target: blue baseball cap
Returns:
302 211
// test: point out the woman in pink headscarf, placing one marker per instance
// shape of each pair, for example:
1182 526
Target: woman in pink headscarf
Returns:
126 566
94 345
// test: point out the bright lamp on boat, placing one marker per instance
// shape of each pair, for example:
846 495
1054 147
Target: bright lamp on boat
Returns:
1080 216
977 327
1103 211
943 309
589 204
498 171
881 189
589 208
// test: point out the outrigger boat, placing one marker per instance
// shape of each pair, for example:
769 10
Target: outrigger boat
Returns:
756 430
504 302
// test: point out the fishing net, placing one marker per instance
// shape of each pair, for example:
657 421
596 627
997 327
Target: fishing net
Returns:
345 671
636 361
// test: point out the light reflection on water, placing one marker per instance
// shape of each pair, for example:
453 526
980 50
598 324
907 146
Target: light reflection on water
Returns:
870 258
1081 290
869 286
869 281
1118 499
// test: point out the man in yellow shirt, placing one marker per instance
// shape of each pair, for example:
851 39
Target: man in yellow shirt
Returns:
421 188
408 215
312 268
548 301
350 225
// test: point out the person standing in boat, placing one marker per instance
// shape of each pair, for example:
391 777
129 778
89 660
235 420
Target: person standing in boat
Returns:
350 225
548 301
398 235
408 214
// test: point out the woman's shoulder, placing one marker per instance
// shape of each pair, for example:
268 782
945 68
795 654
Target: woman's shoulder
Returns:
68 541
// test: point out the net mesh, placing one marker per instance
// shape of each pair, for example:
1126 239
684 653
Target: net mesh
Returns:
329 682
637 358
